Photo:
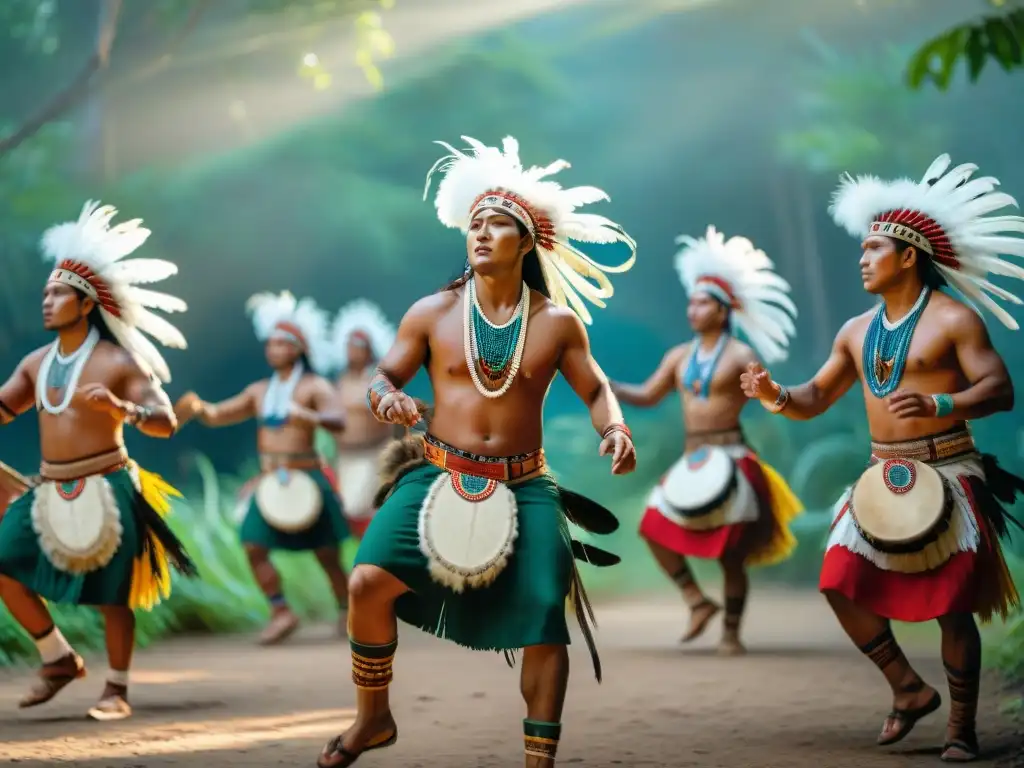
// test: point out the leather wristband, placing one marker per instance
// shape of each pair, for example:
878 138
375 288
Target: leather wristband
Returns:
616 428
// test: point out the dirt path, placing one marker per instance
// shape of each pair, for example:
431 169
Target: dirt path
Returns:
802 699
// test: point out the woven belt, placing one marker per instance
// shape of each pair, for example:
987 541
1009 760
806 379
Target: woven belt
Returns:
100 464
272 461
946 445
504 469
733 436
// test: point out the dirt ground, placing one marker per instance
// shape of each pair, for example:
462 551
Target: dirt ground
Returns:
802 698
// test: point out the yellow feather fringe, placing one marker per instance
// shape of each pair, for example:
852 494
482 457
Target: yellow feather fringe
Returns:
785 508
149 587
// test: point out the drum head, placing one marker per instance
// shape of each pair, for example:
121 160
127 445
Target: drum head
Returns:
289 500
700 481
78 523
467 529
898 500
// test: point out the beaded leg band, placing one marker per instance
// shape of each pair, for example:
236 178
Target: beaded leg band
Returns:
734 612
371 665
541 739
964 686
883 650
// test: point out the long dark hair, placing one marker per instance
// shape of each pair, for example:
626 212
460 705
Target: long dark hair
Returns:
533 275
95 319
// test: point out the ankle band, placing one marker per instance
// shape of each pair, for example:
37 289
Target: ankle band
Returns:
371 665
683 577
883 650
118 677
734 611
540 738
278 601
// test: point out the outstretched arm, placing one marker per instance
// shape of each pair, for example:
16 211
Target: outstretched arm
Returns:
402 361
234 410
589 382
831 382
17 394
654 390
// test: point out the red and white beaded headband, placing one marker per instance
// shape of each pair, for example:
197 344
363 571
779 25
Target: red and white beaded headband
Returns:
920 231
290 332
538 224
77 275
718 288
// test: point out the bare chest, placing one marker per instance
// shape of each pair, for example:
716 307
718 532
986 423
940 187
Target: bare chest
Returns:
303 394
709 378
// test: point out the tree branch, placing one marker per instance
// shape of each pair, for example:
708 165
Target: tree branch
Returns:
78 88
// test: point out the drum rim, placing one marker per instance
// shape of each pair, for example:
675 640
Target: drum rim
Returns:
918 543
717 501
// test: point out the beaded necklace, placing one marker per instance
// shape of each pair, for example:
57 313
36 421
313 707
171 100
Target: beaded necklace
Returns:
699 371
886 346
62 372
494 350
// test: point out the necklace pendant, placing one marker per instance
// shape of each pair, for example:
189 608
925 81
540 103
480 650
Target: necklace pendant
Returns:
883 368
698 387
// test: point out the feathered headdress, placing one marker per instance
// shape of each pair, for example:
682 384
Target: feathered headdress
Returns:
280 315
741 277
364 320
946 216
489 177
89 255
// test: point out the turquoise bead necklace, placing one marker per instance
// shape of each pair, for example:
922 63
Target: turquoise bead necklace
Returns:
886 346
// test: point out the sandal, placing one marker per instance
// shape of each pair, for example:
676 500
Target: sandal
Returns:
960 750
334 747
53 678
907 718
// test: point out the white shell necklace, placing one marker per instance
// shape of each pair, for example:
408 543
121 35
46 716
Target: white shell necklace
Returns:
75 361
469 341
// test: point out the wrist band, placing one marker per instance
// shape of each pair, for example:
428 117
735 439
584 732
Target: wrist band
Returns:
136 414
6 414
943 405
781 401
617 428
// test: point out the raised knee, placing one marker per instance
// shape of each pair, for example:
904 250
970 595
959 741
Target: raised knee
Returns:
368 582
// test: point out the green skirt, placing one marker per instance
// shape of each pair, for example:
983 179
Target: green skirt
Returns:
136 576
526 603
329 530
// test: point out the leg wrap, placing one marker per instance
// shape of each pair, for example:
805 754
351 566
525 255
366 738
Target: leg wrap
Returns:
734 611
684 577
964 686
883 650
371 665
541 739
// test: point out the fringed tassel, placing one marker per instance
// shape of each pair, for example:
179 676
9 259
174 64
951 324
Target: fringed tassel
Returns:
584 611
997 591
784 507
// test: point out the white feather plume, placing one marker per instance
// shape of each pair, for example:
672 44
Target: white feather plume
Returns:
361 315
270 309
92 242
765 313
570 274
960 205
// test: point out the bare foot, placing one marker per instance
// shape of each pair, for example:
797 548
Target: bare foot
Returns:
113 704
731 646
282 624
53 678
911 704
699 618
343 750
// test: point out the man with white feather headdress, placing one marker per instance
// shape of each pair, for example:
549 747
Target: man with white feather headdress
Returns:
361 333
292 504
917 537
91 529
719 501
472 541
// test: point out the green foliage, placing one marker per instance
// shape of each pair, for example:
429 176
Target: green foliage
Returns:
846 116
998 37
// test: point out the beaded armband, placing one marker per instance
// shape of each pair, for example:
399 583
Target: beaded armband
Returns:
618 427
943 405
781 401
136 414
6 414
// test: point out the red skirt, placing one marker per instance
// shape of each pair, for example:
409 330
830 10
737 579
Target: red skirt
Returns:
712 544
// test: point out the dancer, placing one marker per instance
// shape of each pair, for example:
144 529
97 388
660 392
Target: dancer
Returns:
360 335
492 342
719 501
292 504
917 536
91 530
